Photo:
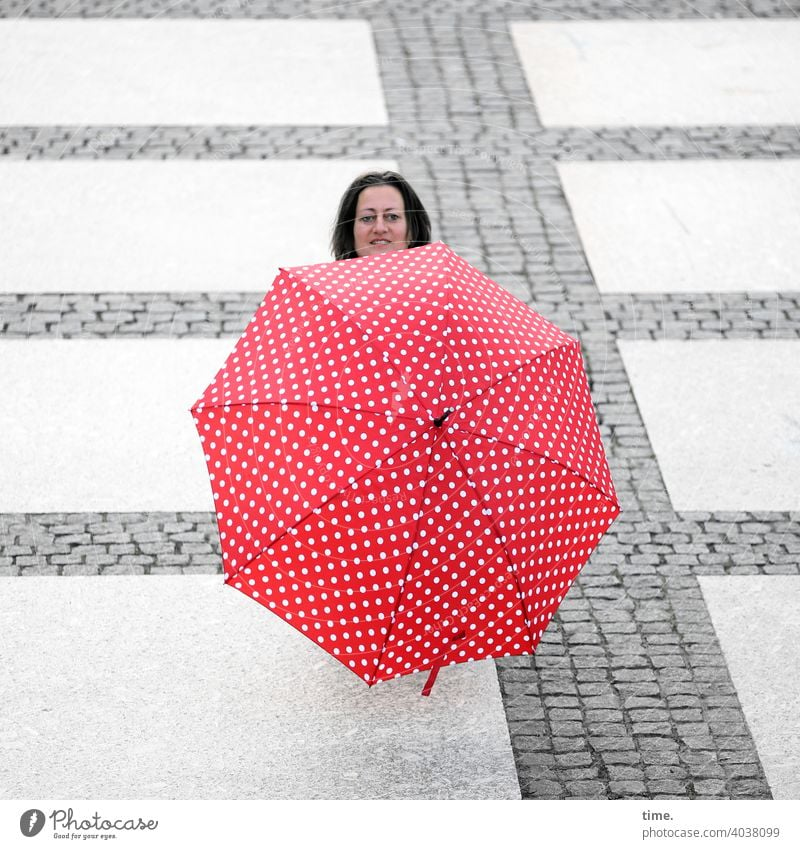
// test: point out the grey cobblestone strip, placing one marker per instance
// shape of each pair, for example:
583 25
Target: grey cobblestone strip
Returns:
127 314
658 544
447 9
193 142
629 695
108 544
756 315
513 147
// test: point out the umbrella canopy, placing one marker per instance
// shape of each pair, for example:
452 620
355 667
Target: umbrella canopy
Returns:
405 462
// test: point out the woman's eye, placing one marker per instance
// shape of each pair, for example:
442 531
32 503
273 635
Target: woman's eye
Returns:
367 219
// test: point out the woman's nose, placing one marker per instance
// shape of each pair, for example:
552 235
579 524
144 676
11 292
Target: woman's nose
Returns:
380 224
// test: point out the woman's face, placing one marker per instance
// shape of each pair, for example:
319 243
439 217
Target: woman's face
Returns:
380 224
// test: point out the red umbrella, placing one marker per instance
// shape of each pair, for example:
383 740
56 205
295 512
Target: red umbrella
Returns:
405 462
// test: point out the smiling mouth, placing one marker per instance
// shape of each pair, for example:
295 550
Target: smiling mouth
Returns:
381 242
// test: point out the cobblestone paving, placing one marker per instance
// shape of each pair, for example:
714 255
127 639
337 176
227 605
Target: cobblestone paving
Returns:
380 12
628 695
644 543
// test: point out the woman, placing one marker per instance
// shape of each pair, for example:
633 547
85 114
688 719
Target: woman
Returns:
379 212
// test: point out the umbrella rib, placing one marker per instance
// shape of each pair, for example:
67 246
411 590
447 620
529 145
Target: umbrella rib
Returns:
499 537
363 329
613 503
447 312
408 564
387 358
535 453
335 407
305 516
569 343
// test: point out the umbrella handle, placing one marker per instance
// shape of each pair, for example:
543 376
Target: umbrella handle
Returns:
426 690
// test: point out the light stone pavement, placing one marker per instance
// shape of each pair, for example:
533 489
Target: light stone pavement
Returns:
629 693
171 209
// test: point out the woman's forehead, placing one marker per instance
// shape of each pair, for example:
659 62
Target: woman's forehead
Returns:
373 209
371 198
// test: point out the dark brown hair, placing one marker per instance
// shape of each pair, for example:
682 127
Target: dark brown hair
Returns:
419 225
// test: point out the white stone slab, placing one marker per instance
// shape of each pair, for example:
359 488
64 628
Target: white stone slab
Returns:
166 225
723 417
104 424
188 71
178 687
676 72
755 618
688 226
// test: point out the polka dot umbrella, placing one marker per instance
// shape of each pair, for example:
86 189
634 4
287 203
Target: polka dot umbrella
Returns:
405 462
